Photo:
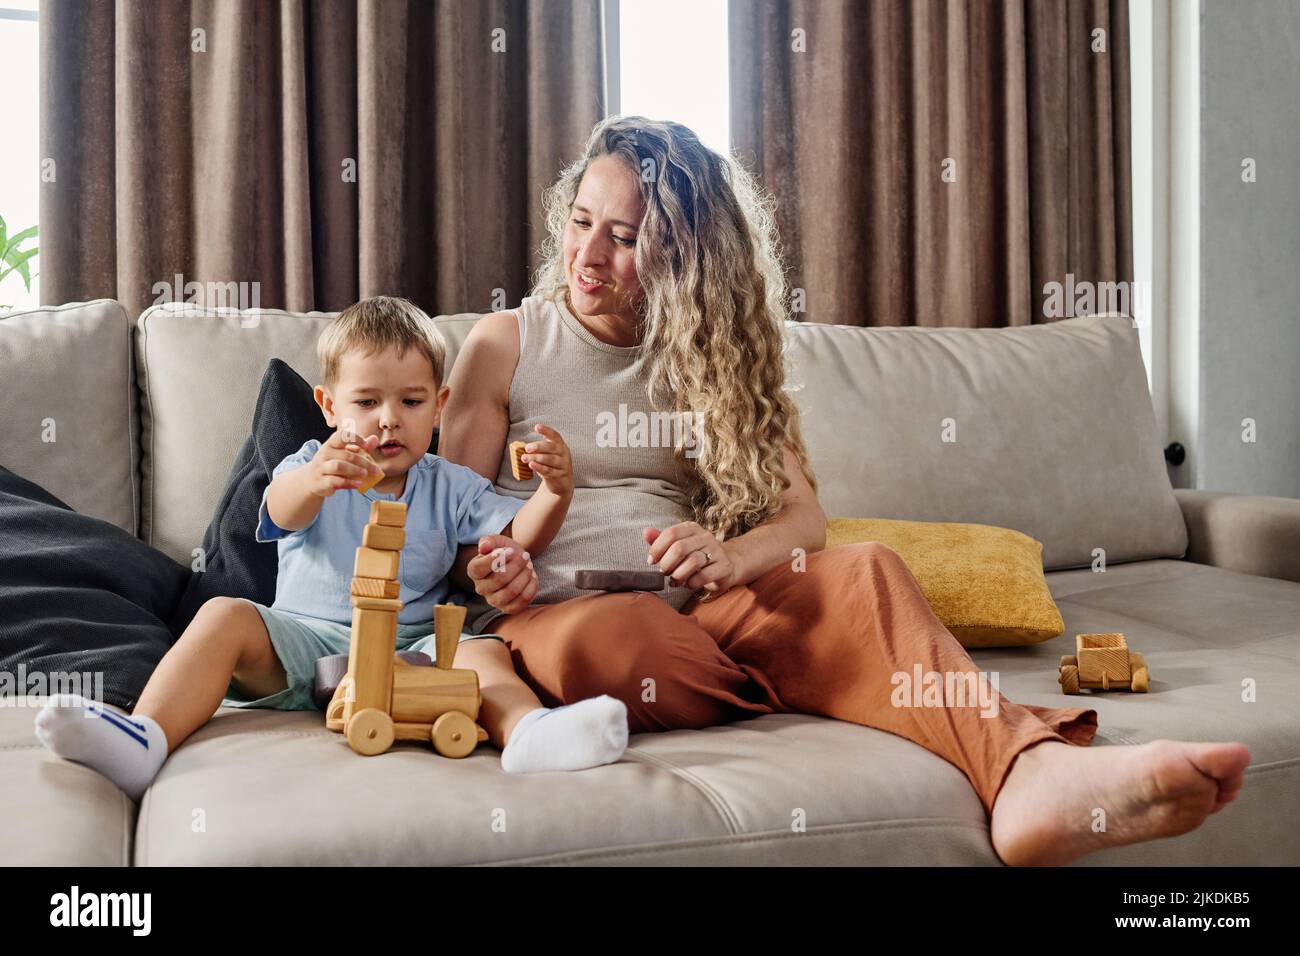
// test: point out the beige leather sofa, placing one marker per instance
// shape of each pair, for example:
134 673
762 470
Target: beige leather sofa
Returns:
1047 429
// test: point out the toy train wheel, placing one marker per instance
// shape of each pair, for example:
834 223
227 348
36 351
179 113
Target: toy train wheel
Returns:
454 734
1069 679
1069 659
1141 676
370 731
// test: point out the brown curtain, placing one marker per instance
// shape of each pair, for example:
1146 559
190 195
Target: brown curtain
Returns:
857 133
217 139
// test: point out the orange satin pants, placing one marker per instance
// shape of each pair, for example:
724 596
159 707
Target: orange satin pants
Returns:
825 640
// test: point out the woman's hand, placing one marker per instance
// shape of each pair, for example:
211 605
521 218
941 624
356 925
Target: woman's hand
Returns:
503 573
551 460
680 552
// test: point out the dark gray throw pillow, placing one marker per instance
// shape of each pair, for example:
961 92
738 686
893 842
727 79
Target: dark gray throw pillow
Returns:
285 418
85 607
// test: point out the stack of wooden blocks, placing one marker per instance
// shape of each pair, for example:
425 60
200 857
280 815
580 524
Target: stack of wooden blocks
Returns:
374 585
374 601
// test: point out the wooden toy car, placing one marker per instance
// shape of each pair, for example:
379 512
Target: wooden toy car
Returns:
1103 661
382 698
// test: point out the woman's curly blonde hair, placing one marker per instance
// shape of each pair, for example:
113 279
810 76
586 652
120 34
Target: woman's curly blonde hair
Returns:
711 316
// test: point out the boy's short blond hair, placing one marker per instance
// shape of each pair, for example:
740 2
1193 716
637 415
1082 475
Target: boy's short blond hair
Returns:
375 325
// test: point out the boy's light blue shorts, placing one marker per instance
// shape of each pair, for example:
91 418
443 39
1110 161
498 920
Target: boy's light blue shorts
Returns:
299 641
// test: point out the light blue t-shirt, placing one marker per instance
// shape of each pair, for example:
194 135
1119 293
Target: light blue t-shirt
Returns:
447 505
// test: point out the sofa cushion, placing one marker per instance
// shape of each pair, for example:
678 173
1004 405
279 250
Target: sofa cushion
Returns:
67 406
1223 650
54 812
1085 472
985 584
234 563
787 788
784 788
1047 429
81 600
195 414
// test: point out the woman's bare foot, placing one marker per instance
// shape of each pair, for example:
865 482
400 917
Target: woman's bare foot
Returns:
1047 814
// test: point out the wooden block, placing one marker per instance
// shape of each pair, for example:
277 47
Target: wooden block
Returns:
408 731
448 621
619 580
372 563
1109 639
370 659
377 604
375 587
425 693
389 513
375 478
518 467
383 537
1103 658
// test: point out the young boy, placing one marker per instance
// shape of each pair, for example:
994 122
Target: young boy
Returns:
382 361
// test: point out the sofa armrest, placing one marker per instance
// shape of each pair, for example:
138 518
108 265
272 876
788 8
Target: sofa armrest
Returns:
1252 534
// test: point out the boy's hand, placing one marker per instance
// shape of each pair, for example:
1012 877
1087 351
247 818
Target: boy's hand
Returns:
550 459
340 464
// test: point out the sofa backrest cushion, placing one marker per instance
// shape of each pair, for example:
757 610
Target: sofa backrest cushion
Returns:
1045 429
67 406
1055 435
199 372
234 564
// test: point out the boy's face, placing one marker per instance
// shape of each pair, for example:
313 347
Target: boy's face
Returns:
395 398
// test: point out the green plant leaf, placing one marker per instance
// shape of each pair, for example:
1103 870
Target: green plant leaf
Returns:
10 247
20 258
15 258
28 233
18 262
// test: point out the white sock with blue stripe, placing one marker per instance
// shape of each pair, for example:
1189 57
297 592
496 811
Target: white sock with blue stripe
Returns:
127 750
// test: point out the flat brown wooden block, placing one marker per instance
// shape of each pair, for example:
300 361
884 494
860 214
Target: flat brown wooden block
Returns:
389 513
376 604
619 580
375 588
372 563
383 537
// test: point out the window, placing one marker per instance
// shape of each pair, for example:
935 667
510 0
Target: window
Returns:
672 64
19 132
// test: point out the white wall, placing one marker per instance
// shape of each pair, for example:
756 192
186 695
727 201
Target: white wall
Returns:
1249 264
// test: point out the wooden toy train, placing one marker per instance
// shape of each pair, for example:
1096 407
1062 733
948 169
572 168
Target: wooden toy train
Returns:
382 698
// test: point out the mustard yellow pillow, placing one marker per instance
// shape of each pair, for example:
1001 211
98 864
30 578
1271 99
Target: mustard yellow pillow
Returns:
986 584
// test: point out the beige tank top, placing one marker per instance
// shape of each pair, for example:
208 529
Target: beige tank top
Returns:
589 391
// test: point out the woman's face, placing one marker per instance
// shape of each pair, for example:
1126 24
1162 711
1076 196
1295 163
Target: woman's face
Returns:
600 241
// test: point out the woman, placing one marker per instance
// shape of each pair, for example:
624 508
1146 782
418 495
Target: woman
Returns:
661 291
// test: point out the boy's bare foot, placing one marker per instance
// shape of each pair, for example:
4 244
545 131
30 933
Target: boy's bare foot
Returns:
1046 811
